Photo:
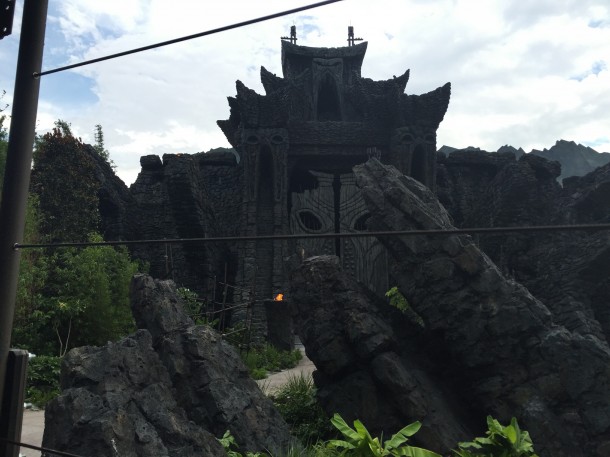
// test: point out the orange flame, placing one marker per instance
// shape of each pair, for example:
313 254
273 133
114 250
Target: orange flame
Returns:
279 297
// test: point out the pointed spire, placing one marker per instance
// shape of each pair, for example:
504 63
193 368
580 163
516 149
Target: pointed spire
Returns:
293 35
350 36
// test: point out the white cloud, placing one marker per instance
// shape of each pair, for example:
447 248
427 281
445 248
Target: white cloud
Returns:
522 73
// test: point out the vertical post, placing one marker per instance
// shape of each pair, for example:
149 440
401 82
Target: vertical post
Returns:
14 392
17 171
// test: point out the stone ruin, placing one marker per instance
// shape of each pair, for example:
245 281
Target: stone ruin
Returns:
475 342
290 173
513 324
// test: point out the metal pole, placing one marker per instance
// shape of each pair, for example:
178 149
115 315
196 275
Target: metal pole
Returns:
18 164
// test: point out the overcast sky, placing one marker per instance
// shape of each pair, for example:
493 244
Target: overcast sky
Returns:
524 73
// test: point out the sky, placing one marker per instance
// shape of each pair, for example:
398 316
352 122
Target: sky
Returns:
523 73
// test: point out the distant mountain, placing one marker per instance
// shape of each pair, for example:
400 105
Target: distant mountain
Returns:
575 159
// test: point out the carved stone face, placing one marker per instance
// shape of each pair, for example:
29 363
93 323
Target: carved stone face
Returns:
328 89
413 135
264 137
413 152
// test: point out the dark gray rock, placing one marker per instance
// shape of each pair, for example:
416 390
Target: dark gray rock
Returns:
168 390
119 400
512 359
565 269
212 384
368 360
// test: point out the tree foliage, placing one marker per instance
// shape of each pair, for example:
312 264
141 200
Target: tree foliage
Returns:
68 297
63 179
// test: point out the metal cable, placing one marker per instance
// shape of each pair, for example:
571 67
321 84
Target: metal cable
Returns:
48 452
186 38
436 232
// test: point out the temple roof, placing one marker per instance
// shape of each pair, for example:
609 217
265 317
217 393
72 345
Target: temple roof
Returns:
296 58
322 88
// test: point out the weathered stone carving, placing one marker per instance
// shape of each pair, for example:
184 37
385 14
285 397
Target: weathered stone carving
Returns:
330 118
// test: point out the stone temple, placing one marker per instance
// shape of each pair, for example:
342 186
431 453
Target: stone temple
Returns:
297 145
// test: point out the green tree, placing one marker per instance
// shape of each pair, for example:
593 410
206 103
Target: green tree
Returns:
63 178
64 127
74 297
33 272
69 297
100 148
90 294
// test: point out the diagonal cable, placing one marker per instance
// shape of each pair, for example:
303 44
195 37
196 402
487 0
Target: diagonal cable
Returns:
186 38
47 452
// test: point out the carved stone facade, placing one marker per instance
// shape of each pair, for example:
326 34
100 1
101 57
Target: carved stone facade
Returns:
298 144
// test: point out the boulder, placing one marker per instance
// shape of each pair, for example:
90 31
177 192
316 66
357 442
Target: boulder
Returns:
167 390
509 357
118 400
369 363
486 344
212 383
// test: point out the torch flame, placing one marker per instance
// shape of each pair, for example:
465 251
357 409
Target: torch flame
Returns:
279 297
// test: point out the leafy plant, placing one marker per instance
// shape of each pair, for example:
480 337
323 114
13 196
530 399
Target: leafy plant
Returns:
228 442
399 301
296 401
501 441
358 441
193 307
42 380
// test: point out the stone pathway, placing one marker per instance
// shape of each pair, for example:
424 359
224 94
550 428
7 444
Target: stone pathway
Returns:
274 381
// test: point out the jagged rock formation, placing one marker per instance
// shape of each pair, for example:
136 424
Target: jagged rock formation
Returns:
212 384
575 159
369 360
167 390
115 201
567 270
184 196
118 400
486 340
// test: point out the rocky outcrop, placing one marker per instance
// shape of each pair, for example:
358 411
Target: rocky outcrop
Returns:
212 384
510 355
167 390
119 400
565 269
171 199
114 199
487 344
369 360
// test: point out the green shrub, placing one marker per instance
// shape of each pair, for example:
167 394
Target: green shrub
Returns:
258 373
269 359
296 401
42 380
